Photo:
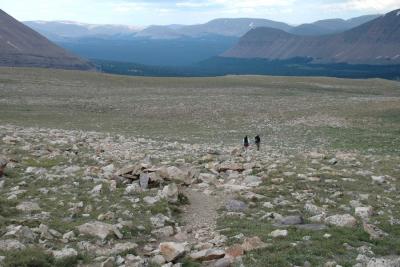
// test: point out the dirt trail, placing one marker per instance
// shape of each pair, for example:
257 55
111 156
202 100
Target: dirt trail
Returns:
200 217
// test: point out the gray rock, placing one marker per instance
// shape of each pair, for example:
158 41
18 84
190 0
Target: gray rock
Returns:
22 233
172 250
235 205
98 229
311 227
10 245
345 220
166 231
384 262
65 253
207 254
171 193
291 220
223 263
144 180
28 207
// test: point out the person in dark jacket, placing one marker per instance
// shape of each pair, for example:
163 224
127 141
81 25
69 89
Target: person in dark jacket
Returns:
257 141
246 143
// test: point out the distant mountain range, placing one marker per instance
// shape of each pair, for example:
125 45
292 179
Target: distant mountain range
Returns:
171 45
20 46
374 42
231 27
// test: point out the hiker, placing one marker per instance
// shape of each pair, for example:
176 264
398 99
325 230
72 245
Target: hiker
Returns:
246 143
257 141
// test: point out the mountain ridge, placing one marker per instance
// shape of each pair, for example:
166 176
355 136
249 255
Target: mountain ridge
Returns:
375 42
20 46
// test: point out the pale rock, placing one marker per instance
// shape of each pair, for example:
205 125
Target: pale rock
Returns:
379 179
159 220
11 245
70 236
207 255
313 209
151 200
98 229
235 205
172 250
97 189
171 193
364 212
374 232
393 261
65 253
279 233
71 170
268 205
144 180
158 259
163 232
208 178
22 233
252 181
345 220
28 207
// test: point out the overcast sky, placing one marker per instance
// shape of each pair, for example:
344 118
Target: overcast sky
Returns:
140 12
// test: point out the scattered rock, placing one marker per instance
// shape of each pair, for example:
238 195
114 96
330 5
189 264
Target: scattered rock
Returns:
171 193
291 220
172 250
345 220
279 233
364 212
98 229
207 255
65 253
28 207
10 245
235 205
374 232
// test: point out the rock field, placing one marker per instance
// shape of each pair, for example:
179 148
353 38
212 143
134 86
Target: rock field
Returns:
94 199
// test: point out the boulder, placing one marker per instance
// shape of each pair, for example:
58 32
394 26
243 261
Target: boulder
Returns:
291 220
228 166
11 245
163 232
345 220
172 250
98 229
171 193
20 232
28 207
208 254
208 178
374 232
279 233
64 253
364 212
235 206
393 261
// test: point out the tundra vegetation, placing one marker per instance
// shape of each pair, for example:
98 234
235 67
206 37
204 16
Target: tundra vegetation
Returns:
103 170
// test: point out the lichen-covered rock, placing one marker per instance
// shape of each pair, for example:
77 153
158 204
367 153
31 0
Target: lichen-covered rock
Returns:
172 250
345 220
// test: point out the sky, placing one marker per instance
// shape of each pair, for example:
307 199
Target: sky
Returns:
161 12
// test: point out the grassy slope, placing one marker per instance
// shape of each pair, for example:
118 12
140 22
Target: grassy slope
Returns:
286 111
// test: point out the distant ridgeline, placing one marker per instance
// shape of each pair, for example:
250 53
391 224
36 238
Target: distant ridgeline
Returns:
219 66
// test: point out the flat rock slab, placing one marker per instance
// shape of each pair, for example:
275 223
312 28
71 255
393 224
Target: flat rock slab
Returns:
98 229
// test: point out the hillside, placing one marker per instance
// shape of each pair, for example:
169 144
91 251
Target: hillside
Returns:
375 42
20 46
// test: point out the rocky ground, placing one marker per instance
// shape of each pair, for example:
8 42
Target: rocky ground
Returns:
73 198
